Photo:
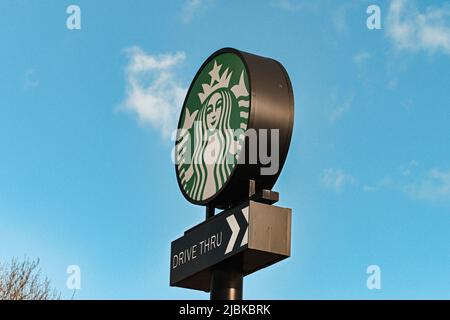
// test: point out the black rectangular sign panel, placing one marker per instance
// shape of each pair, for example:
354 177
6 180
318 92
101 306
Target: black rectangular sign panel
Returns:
260 232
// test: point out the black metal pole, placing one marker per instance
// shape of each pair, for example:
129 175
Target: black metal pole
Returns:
210 211
227 277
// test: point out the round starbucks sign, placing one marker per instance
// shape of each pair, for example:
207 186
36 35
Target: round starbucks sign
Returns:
211 137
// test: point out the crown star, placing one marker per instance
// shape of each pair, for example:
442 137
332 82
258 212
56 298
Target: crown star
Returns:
217 81
214 73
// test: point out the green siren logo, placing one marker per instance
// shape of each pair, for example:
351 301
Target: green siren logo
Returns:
212 126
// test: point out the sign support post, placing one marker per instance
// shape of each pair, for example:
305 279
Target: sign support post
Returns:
227 277
210 211
227 280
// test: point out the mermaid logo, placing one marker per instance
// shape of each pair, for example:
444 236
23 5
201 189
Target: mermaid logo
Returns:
212 126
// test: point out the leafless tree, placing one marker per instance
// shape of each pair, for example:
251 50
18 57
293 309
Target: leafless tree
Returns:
22 280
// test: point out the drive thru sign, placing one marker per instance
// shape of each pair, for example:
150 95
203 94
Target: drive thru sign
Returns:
261 232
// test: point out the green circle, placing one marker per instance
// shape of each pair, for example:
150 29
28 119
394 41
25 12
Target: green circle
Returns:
212 124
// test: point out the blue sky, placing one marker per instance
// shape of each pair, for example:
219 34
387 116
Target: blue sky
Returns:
85 116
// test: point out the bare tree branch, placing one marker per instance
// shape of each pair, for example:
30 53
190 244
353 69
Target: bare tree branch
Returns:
22 280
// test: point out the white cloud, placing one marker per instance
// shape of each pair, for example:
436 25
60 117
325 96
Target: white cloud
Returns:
339 18
192 8
368 188
434 186
336 179
408 104
341 108
153 91
383 183
410 29
30 78
392 84
361 57
408 168
296 5
288 5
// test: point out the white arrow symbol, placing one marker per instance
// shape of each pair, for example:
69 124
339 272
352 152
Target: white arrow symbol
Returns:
245 238
234 232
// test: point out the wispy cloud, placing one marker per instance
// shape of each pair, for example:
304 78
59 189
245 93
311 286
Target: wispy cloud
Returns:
399 180
413 30
341 107
392 84
361 57
192 8
336 179
296 5
367 188
384 183
407 169
153 91
31 79
431 185
339 18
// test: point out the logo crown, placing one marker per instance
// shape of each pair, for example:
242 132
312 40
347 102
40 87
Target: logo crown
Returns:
217 81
